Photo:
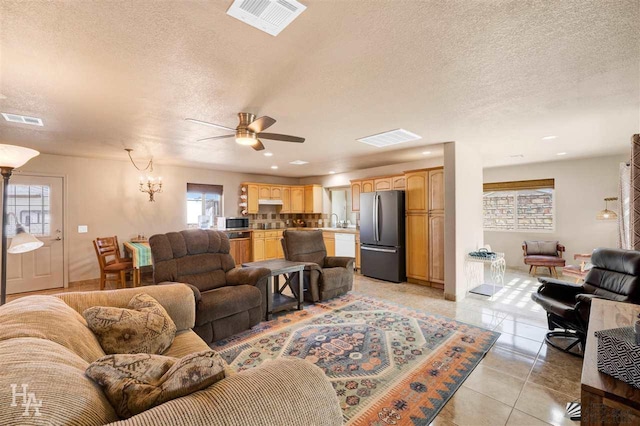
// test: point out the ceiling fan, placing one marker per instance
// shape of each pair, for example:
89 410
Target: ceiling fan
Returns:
249 130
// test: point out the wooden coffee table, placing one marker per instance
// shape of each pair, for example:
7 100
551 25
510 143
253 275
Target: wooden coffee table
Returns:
276 301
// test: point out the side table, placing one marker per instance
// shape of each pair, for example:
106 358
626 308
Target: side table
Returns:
276 301
498 267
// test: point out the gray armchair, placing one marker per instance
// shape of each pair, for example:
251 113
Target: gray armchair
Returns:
228 299
325 277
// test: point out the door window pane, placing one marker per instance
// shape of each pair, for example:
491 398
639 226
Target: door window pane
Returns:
29 204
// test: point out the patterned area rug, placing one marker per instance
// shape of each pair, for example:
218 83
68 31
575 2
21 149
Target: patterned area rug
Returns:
388 364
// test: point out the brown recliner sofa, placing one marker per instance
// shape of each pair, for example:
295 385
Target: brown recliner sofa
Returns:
228 299
325 277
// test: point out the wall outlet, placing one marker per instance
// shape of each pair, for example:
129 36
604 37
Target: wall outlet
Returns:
83 229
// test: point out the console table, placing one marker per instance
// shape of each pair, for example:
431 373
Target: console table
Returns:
276 301
605 399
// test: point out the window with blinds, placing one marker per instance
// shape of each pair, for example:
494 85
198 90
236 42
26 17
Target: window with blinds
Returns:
524 206
204 204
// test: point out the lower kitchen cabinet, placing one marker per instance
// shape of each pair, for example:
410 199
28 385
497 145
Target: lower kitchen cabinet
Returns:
418 246
267 245
257 242
330 243
358 252
436 249
240 249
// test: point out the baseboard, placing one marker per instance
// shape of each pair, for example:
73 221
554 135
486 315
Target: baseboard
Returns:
425 283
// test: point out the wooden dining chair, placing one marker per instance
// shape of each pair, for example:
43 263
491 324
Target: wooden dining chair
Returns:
111 264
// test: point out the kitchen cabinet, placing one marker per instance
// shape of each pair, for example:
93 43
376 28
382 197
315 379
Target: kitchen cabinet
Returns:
356 189
436 249
436 191
264 192
329 243
276 193
417 246
286 200
382 184
252 199
257 244
313 199
297 199
368 186
416 191
240 250
398 183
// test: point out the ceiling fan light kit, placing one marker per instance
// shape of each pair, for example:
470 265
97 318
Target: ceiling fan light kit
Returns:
249 131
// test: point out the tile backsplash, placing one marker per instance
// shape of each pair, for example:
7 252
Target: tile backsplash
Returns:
270 218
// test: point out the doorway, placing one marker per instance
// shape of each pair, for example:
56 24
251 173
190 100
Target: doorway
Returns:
37 203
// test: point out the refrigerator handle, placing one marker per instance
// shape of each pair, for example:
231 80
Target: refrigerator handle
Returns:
376 235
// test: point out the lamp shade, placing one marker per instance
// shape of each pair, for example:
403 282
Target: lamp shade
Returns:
23 242
15 156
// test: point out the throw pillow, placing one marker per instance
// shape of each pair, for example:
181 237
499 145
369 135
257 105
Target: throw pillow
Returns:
144 327
134 383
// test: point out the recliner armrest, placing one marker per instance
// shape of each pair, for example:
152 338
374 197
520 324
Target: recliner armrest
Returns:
583 305
563 289
196 291
338 262
249 276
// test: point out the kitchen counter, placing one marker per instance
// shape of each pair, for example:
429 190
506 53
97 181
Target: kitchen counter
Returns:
336 230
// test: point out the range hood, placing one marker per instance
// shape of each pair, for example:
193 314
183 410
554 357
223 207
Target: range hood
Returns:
270 202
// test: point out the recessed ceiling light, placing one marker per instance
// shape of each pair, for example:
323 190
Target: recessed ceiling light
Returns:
548 138
298 162
268 154
516 156
332 172
22 119
426 152
392 137
274 167
561 153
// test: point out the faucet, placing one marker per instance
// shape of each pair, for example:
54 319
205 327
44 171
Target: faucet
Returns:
337 220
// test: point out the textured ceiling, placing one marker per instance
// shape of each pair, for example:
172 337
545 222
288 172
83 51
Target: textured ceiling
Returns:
107 75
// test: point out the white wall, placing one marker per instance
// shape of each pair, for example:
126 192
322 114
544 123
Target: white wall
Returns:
463 213
104 195
581 185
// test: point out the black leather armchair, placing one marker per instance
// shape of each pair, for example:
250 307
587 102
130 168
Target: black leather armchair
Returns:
615 276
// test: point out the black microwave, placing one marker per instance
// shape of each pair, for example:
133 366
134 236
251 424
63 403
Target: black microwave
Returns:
232 222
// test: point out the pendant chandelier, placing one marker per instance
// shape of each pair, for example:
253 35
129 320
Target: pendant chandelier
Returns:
607 214
148 185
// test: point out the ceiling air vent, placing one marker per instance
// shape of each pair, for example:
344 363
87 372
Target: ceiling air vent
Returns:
22 119
270 16
392 137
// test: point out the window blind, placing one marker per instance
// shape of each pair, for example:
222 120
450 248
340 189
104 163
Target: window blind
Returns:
204 188
520 185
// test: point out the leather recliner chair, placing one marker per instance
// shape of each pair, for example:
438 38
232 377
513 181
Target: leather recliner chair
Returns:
615 276
228 299
325 277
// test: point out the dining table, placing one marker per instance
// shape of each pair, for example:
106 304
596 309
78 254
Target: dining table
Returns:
140 253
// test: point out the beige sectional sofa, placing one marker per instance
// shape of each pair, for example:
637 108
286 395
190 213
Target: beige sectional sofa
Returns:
45 347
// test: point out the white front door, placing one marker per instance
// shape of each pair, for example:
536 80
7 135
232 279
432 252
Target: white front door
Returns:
37 203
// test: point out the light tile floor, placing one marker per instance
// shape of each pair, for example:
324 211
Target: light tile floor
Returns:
520 382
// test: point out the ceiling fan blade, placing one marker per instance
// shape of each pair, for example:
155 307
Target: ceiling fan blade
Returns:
278 137
216 137
258 145
217 126
259 124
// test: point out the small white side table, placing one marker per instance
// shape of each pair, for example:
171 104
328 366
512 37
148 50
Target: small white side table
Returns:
475 275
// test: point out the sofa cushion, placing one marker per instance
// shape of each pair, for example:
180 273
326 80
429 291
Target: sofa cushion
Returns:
333 278
538 260
54 375
305 246
186 342
543 248
47 317
143 328
134 383
226 301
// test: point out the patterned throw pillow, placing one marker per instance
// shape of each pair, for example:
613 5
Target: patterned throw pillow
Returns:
134 383
145 327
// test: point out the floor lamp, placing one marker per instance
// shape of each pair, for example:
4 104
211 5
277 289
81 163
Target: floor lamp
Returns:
11 157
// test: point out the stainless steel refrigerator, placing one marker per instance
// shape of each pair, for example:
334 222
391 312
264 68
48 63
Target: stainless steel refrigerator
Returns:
382 235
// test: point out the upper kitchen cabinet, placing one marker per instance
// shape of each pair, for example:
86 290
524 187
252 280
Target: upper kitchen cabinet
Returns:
286 200
436 191
382 184
276 193
252 199
313 199
264 192
368 186
416 190
356 189
398 183
297 199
